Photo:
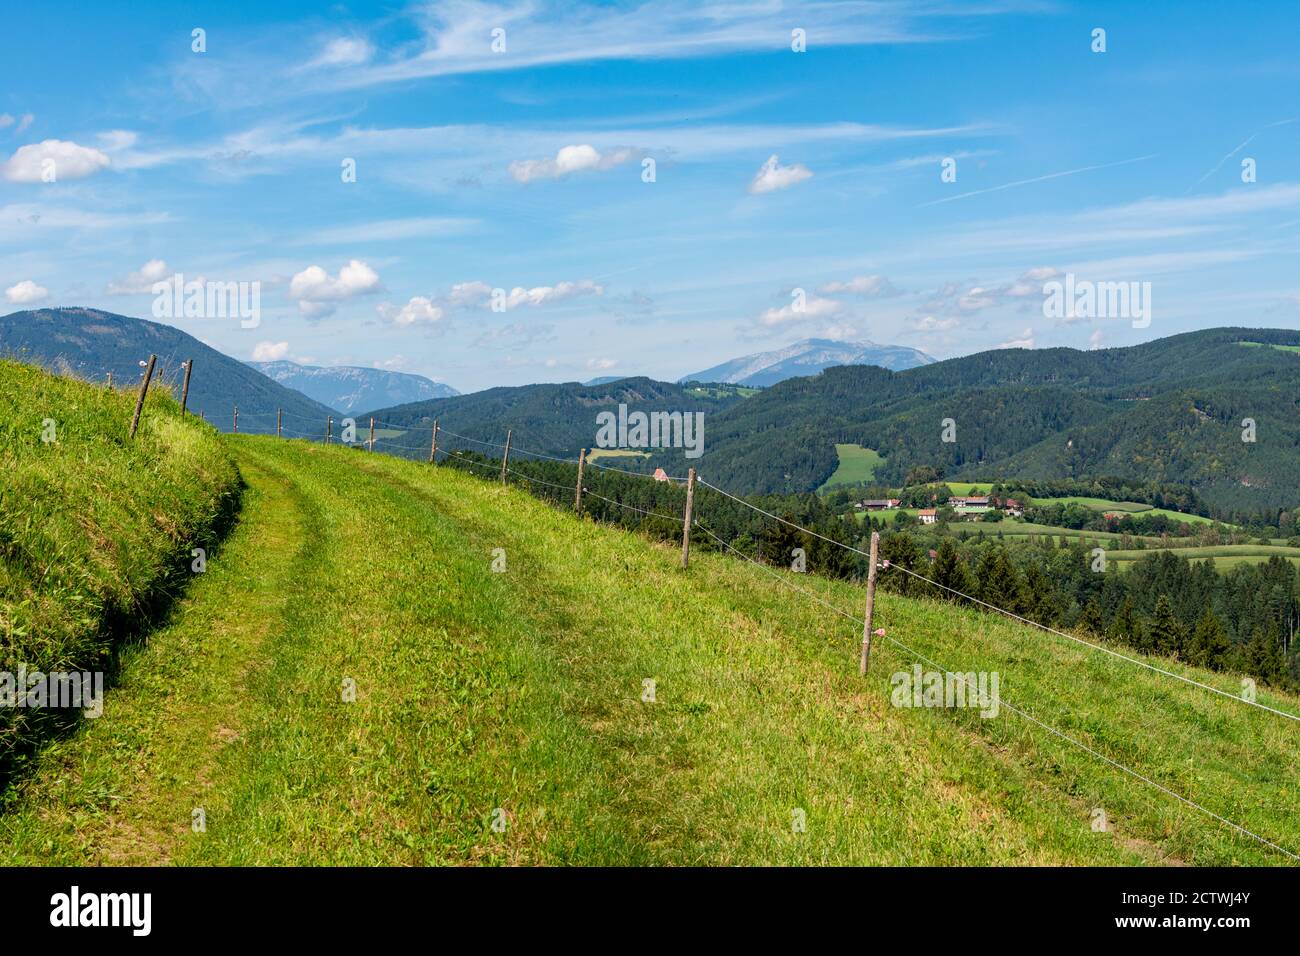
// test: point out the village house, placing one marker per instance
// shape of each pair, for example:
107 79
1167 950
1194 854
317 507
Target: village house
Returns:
1013 508
881 504
660 475
928 515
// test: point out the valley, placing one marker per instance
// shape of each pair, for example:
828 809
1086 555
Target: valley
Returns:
486 703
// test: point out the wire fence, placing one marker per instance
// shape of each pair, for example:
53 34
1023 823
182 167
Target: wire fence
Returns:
502 468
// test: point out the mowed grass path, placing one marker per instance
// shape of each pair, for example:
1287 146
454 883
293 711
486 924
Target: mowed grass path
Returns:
517 697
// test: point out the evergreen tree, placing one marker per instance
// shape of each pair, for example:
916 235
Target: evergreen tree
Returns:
901 552
1091 621
1166 633
1262 657
1209 644
1125 628
950 571
998 583
1039 595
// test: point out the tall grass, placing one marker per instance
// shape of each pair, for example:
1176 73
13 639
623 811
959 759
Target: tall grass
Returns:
96 529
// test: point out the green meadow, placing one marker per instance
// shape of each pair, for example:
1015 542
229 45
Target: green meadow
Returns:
392 663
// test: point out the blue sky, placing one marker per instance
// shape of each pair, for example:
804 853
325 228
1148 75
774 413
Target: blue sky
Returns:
523 170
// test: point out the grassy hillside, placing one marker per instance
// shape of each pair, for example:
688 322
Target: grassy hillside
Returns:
95 529
857 466
519 696
90 343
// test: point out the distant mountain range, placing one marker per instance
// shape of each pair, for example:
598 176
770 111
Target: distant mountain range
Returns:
90 343
1171 411
1217 411
808 357
351 388
1166 412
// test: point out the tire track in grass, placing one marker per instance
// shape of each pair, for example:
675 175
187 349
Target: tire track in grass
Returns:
747 728
385 778
521 691
561 789
122 790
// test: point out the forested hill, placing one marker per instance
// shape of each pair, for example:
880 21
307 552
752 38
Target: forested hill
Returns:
90 343
554 419
1167 411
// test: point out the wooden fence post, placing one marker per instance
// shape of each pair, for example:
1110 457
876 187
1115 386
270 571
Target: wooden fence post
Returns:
236 419
279 412
144 387
371 445
433 449
329 428
577 493
185 389
686 523
505 459
871 604
110 381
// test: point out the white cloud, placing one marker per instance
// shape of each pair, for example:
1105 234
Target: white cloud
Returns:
317 291
141 281
1031 282
930 324
840 333
772 176
25 292
7 120
116 139
1094 340
469 294
570 159
454 37
270 351
1026 341
865 286
344 51
961 297
601 364
813 308
417 311
66 159
542 295
976 298
478 294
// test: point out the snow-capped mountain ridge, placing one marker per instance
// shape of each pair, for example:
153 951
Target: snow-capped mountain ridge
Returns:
351 388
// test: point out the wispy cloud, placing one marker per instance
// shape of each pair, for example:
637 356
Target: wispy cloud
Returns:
772 176
457 36
1036 179
1244 143
389 230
